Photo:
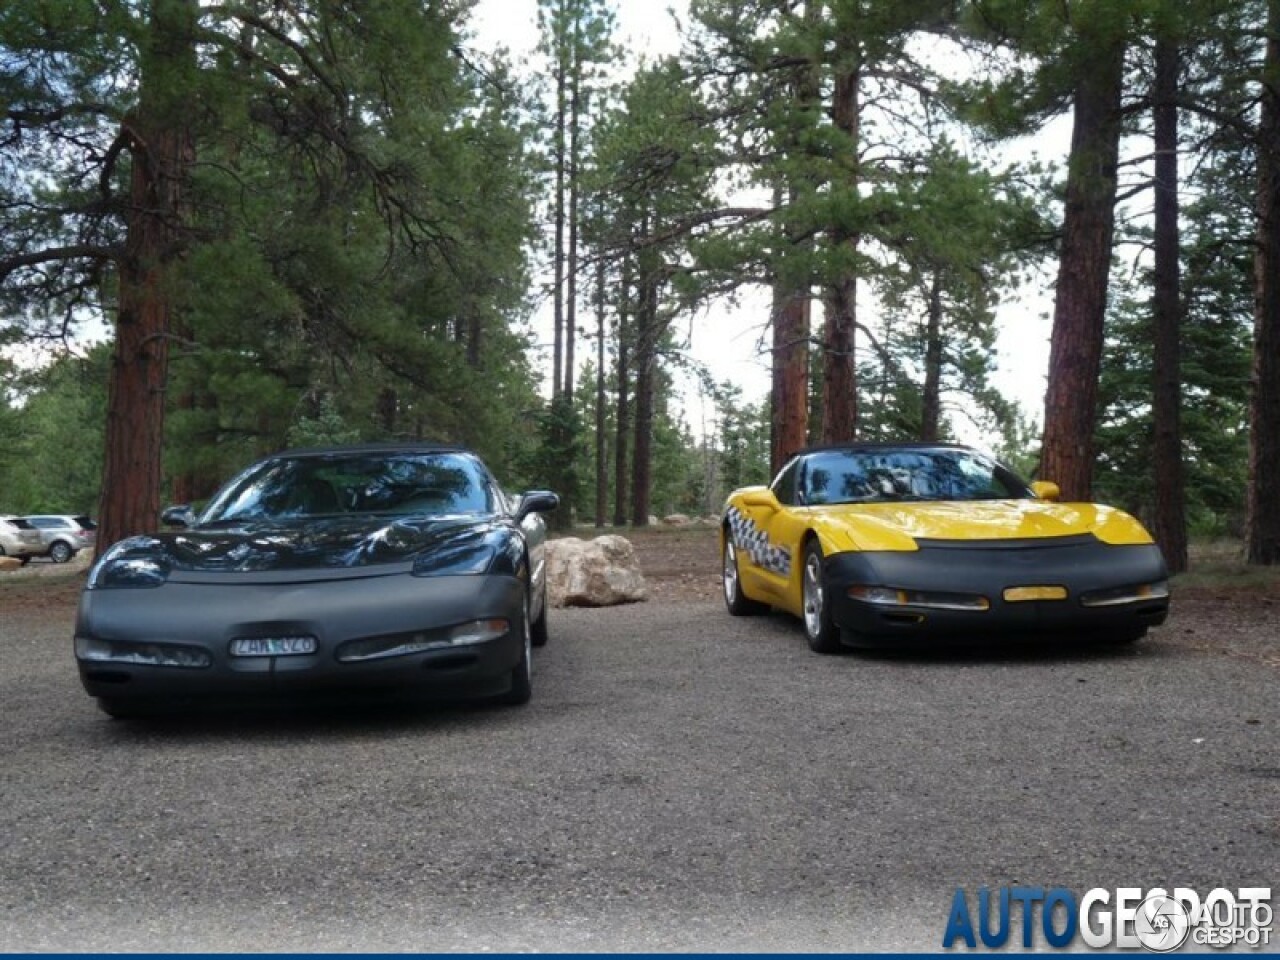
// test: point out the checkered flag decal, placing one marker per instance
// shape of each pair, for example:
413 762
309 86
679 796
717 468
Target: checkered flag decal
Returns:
754 542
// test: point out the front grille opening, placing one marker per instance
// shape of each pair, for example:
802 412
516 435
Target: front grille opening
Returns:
458 661
108 676
903 619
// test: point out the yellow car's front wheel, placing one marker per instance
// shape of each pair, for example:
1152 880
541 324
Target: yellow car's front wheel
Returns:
823 635
738 603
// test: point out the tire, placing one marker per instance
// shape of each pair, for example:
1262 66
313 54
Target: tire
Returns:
538 632
737 602
60 552
522 673
823 635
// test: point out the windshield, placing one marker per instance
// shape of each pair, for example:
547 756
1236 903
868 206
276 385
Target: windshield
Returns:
419 485
883 476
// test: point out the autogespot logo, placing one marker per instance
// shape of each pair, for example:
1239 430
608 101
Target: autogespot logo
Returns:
1127 918
1162 923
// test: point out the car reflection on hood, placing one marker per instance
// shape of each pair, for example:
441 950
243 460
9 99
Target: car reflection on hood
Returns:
339 541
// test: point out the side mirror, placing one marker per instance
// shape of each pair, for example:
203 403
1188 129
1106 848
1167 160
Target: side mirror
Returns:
179 516
1046 490
536 501
761 498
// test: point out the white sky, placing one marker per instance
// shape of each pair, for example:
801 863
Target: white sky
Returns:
726 338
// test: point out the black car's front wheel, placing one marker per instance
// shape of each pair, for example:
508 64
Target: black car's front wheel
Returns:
737 602
823 635
522 673
538 631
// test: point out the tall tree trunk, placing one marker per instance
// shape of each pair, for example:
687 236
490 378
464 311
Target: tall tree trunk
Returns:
931 401
839 339
1169 524
622 408
839 372
602 485
646 361
1263 537
558 214
1075 355
792 291
571 254
790 393
162 152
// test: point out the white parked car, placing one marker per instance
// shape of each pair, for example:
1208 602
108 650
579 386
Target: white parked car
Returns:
19 539
63 536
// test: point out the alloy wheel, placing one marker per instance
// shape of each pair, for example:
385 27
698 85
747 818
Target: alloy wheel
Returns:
813 596
730 578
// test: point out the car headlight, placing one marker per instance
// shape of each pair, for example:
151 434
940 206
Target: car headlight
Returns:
115 569
469 558
891 597
95 650
1134 593
402 644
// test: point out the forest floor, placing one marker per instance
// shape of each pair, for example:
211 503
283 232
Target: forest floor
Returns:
1220 607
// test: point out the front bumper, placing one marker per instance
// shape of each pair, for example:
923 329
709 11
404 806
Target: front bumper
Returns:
208 616
1081 565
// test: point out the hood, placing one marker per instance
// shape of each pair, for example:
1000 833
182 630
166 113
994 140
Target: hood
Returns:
897 526
312 544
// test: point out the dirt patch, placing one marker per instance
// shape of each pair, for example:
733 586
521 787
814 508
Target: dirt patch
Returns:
679 564
1238 622
43 586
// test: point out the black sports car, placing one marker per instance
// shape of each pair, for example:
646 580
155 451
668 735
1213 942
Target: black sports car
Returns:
388 571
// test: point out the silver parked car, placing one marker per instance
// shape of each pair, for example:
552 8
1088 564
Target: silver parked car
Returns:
19 539
63 536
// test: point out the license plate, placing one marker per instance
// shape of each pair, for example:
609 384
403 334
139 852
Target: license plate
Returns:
1020 594
273 646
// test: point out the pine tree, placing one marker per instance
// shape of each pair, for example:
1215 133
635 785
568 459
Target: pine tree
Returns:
1263 539
334 141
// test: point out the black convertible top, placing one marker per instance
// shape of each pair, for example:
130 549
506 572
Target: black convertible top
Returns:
396 446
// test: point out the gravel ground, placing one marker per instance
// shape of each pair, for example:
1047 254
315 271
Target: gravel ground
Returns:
681 781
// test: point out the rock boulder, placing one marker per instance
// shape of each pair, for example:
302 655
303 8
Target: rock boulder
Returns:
593 573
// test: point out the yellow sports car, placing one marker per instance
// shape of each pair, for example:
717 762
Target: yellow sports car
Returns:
882 543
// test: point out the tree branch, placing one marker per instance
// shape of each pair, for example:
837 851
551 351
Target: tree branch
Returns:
109 159
281 37
77 251
42 118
